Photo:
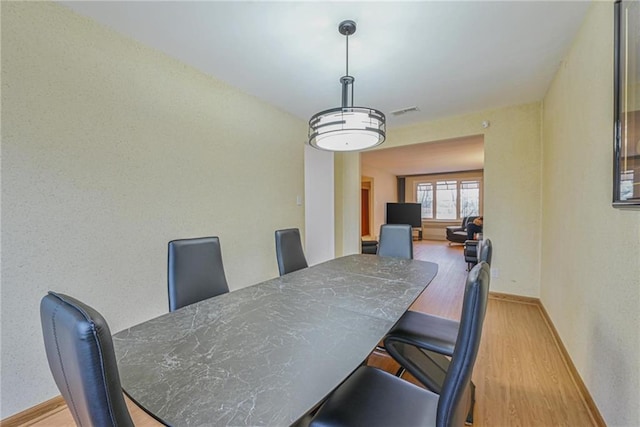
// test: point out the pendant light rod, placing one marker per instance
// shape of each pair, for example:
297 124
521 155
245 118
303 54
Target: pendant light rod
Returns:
347 28
346 82
347 60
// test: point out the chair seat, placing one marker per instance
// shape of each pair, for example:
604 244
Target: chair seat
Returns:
371 397
420 343
426 331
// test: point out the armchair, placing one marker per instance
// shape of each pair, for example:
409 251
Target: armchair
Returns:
458 233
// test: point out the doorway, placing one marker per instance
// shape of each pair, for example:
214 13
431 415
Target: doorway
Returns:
434 163
366 203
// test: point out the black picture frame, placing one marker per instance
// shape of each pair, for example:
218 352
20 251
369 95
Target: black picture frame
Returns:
626 147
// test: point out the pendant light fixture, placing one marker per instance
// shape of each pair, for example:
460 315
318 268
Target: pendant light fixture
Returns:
347 128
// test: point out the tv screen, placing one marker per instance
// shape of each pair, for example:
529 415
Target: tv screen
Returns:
404 213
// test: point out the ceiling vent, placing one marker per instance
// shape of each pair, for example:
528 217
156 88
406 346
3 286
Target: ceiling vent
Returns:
404 111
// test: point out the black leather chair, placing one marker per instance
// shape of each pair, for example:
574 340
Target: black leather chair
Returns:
421 343
371 397
396 240
80 352
470 253
458 233
195 271
289 251
477 250
369 247
486 251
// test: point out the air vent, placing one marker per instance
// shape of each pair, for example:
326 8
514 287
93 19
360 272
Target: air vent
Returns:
404 111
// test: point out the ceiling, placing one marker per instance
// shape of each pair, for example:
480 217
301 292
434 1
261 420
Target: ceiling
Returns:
445 57
451 155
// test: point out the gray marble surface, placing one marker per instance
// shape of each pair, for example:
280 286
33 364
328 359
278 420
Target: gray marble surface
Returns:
266 354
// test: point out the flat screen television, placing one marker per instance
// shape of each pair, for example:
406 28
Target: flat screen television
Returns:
404 213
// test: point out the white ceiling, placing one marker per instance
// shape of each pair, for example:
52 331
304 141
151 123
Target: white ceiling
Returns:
452 155
445 57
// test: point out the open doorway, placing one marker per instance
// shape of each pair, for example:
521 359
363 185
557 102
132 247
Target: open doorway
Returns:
450 171
366 207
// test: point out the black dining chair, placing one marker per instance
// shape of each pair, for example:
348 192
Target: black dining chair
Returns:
436 337
396 240
195 271
289 253
476 251
372 397
80 352
485 251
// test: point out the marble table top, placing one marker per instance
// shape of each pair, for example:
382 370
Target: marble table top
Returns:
266 354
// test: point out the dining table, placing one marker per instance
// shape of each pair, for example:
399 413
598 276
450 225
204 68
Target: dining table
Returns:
267 354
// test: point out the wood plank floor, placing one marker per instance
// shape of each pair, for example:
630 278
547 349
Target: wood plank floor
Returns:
520 376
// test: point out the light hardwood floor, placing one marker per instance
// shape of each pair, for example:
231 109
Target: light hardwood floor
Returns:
520 376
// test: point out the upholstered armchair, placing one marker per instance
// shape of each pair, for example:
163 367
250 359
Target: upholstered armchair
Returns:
458 233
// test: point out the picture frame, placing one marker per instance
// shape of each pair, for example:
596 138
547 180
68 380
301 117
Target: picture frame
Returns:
626 150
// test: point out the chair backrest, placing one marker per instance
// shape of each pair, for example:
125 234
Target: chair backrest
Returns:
289 251
452 409
467 219
485 251
80 352
396 240
195 271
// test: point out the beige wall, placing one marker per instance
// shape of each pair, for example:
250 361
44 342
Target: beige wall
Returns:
385 189
110 150
347 203
590 251
319 201
511 187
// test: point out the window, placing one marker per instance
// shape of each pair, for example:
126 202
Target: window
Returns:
469 198
425 198
446 199
449 198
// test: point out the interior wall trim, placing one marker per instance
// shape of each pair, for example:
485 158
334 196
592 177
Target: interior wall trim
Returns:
590 404
33 414
577 379
514 298
445 174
